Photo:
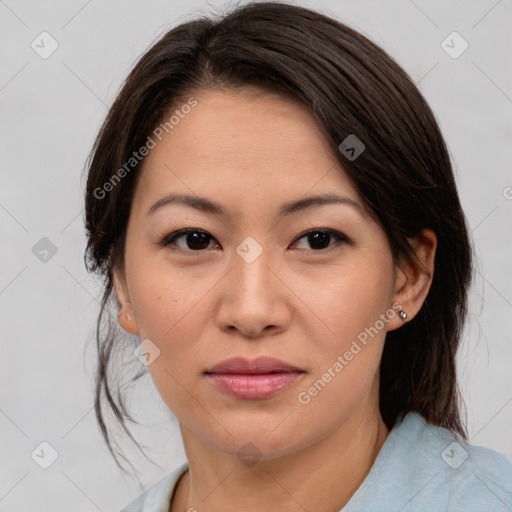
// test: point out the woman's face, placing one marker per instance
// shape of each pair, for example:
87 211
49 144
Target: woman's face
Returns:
250 283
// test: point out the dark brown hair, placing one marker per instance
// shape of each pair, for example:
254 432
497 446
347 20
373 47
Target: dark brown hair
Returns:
351 86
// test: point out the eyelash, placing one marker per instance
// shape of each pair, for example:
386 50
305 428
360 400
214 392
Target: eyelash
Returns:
170 239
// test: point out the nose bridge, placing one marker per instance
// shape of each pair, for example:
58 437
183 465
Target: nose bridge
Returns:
250 300
252 262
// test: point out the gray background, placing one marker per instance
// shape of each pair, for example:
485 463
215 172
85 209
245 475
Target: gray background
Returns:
51 111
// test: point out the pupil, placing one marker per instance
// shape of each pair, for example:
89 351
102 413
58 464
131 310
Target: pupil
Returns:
197 240
314 238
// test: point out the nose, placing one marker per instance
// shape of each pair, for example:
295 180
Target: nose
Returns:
254 299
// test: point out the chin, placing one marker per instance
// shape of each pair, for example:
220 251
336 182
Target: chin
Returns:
262 440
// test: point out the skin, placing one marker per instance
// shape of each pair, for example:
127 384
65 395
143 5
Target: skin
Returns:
251 152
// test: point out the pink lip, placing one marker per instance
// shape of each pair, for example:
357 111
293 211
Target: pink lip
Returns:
260 378
259 365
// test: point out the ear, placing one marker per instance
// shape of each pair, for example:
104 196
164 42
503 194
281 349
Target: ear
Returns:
414 278
126 316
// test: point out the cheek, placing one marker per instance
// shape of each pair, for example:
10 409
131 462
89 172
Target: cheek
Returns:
346 361
170 307
165 299
352 298
347 356
171 312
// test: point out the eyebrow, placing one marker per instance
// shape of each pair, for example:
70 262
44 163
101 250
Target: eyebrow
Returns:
206 205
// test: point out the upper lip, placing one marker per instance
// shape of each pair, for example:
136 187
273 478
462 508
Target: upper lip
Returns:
259 365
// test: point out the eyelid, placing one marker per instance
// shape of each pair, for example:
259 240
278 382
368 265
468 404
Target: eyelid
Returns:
171 237
334 232
337 235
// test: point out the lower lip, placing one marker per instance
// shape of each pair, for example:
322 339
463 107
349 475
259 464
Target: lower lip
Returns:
253 386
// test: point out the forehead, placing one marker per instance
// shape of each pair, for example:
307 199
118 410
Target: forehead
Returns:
242 145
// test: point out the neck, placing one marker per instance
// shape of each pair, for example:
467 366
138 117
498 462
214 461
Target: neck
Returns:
322 477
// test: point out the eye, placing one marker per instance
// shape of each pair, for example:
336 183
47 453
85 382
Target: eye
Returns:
195 239
319 238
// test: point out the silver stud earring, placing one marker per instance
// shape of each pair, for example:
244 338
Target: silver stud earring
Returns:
402 314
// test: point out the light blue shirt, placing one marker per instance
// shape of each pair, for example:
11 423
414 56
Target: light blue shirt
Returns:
420 468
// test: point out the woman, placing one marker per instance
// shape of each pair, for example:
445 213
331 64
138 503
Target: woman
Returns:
304 375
